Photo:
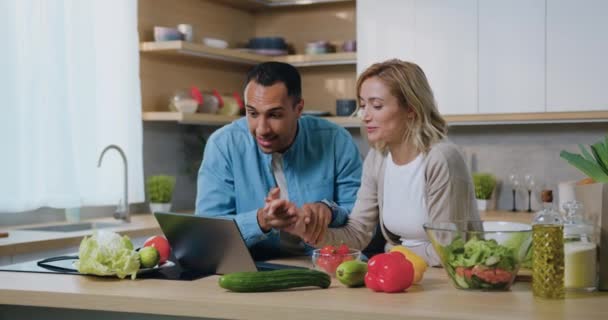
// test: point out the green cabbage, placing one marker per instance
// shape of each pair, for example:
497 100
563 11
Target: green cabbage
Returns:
107 253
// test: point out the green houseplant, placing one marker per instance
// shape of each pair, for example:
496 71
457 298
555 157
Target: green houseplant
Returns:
160 191
484 188
594 164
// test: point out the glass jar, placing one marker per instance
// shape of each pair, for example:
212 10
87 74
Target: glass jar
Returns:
580 250
548 251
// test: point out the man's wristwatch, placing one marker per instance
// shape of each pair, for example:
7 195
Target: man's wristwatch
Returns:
332 206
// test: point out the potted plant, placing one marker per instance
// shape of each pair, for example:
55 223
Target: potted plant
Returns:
160 190
484 188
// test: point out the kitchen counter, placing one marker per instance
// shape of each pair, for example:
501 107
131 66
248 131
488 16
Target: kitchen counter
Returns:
22 241
518 216
25 241
434 298
110 297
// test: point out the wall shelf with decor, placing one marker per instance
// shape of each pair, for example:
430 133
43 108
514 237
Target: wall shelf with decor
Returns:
219 120
180 49
172 66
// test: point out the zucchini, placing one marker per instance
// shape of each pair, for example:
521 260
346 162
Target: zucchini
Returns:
274 280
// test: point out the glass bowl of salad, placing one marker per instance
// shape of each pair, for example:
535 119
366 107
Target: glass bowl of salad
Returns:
481 255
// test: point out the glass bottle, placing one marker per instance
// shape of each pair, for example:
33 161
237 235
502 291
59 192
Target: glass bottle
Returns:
580 250
548 251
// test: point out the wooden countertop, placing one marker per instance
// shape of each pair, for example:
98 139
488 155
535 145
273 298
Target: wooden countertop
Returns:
518 216
22 241
434 298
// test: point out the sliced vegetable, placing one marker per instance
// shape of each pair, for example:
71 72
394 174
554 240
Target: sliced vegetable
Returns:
482 263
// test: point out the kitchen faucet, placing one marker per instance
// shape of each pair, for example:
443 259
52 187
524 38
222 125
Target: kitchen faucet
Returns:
122 212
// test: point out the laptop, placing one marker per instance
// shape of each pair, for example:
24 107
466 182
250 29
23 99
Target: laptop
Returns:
206 245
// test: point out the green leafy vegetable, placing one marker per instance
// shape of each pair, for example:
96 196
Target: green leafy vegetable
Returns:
160 188
480 263
107 253
484 185
594 164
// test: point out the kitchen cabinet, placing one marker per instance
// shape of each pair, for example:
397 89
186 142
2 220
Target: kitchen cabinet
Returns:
577 47
445 43
497 61
438 35
169 66
384 31
511 56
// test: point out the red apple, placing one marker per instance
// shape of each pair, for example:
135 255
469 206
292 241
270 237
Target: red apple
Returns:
162 245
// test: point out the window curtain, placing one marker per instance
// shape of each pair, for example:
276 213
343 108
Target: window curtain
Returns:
69 84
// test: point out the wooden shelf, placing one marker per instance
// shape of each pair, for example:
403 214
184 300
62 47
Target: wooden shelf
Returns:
453 120
219 120
527 118
182 48
306 60
256 5
189 118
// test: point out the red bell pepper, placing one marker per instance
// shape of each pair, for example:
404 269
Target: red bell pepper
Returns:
389 272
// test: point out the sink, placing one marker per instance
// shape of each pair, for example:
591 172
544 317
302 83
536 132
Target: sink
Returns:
74 227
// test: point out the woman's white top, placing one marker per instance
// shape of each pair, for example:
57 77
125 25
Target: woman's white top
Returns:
405 209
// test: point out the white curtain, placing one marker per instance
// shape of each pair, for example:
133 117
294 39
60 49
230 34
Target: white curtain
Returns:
69 86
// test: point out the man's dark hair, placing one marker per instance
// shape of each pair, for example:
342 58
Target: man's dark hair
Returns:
269 73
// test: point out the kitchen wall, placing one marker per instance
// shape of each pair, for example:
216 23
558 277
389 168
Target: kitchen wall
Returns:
175 149
498 149
533 148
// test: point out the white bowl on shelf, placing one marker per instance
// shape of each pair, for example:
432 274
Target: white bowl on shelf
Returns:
215 43
186 105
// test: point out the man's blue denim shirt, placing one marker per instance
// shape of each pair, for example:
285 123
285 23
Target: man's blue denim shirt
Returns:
322 163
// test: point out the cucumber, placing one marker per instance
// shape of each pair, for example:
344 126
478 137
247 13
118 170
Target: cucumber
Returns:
274 280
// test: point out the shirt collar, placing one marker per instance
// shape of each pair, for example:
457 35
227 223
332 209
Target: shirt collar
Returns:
289 153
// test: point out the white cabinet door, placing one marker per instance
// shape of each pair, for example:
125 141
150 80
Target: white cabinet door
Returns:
446 49
511 56
385 30
577 55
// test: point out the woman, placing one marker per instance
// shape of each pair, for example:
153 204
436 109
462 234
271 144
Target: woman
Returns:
411 175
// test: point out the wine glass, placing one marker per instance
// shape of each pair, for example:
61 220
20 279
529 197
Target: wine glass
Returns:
515 184
530 184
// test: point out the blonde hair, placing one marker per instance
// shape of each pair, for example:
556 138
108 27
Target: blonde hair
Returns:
406 81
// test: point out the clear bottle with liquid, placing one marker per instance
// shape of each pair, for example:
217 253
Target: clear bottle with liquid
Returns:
548 251
580 250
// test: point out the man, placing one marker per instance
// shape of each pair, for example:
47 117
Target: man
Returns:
273 168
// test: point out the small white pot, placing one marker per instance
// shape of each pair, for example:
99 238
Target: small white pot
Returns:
160 207
482 205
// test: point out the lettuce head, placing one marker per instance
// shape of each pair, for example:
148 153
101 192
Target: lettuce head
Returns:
107 253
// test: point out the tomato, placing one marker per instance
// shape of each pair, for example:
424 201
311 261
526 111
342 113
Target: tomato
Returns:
162 245
343 249
327 250
329 263
491 275
464 272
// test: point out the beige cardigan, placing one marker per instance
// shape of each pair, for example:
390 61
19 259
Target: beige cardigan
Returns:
450 195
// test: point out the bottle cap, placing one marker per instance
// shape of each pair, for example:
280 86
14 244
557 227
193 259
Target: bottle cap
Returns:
546 195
